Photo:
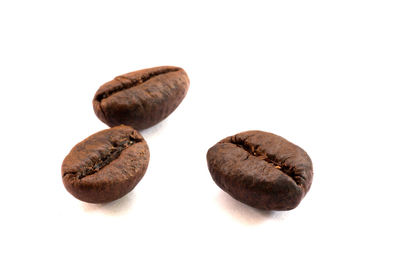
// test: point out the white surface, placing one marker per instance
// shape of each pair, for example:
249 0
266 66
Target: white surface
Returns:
323 74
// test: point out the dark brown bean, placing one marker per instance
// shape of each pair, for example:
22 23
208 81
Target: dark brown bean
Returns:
106 166
141 98
261 169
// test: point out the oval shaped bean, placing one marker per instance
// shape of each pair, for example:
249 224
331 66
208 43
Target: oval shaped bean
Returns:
142 98
261 169
106 166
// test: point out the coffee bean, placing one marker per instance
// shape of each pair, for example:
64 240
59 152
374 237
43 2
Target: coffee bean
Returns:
141 98
106 166
261 169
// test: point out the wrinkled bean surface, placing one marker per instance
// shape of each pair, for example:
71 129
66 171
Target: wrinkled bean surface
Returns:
141 98
106 165
261 169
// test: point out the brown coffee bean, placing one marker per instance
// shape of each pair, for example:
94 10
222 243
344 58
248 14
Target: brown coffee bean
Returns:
261 169
106 166
141 98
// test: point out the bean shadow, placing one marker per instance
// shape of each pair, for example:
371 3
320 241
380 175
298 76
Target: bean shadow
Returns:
154 130
245 214
114 208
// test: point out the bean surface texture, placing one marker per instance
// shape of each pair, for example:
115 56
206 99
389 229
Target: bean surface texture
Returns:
261 169
106 166
141 98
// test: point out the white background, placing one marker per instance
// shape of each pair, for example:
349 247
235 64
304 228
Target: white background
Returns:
322 74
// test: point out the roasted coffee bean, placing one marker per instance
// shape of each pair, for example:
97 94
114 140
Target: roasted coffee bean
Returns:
106 166
261 169
141 98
